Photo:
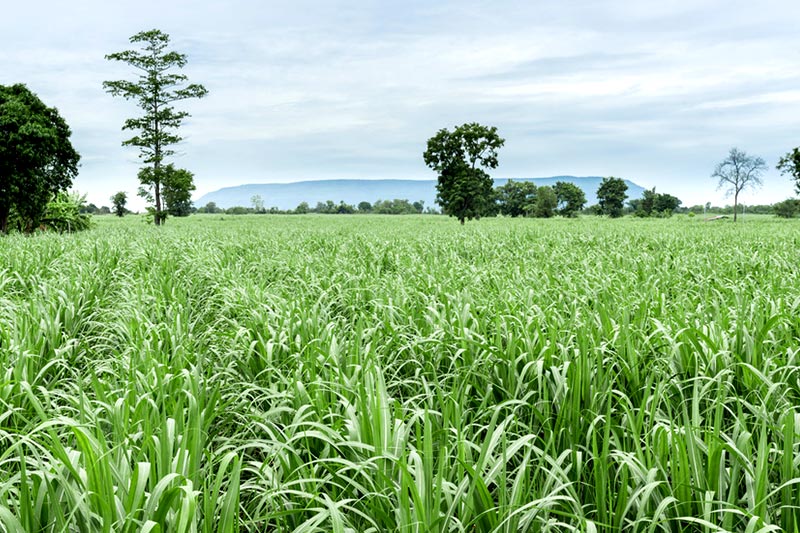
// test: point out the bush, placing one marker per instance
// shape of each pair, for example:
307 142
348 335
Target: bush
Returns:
63 213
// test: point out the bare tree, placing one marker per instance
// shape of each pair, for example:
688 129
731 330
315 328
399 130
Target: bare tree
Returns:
737 172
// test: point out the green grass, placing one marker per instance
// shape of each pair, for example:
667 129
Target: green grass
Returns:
366 373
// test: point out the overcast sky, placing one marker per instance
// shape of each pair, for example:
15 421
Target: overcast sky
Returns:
653 91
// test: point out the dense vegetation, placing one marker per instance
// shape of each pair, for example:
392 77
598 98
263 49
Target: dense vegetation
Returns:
37 159
383 374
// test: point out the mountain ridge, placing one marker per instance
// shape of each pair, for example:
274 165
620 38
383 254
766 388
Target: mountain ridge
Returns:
352 191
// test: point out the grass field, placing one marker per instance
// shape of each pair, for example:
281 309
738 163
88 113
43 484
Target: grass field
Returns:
366 373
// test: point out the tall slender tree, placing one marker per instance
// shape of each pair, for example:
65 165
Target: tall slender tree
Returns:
155 91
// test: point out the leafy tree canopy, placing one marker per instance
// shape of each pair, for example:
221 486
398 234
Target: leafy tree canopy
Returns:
790 164
570 197
37 159
516 198
118 202
787 208
546 202
611 196
654 204
464 188
178 185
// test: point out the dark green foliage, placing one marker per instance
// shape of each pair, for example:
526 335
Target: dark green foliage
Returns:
737 172
665 204
37 159
654 204
790 164
787 208
570 197
611 195
118 201
177 188
647 202
345 209
546 202
516 198
89 209
364 207
464 188
155 91
302 208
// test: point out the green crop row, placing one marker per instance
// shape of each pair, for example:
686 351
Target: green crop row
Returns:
376 374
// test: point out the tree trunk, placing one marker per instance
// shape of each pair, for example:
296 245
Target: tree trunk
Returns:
5 210
735 204
157 164
158 203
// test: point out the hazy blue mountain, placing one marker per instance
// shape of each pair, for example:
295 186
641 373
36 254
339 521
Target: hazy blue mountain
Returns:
289 195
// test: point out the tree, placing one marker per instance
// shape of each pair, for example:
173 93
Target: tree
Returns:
665 204
302 208
737 172
211 207
648 200
570 197
394 207
787 208
177 186
546 202
154 92
611 195
119 200
790 164
258 203
364 207
37 159
344 209
516 198
464 188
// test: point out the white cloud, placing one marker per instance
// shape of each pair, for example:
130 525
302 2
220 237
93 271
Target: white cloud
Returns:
652 91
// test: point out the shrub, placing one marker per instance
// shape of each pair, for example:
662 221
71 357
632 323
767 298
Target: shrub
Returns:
63 213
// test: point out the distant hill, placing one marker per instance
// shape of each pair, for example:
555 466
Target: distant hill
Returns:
289 195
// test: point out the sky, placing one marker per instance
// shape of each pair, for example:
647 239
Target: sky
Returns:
652 91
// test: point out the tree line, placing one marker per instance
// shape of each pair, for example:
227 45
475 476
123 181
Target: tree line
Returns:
38 162
462 158
329 207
